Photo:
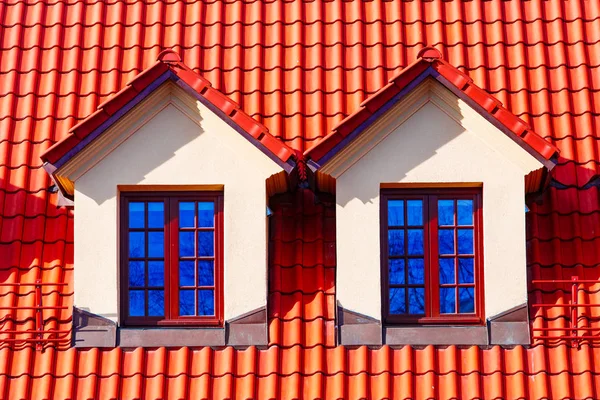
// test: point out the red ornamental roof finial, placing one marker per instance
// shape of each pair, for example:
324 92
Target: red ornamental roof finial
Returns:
429 54
169 56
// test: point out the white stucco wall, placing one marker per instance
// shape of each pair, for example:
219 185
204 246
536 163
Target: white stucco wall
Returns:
170 148
424 144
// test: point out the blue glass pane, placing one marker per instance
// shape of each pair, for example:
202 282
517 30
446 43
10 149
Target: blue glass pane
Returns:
156 215
136 303
396 271
206 274
446 270
395 242
186 302
446 212
156 273
395 212
447 301
446 241
137 244
467 300
156 244
136 215
186 273
414 210
465 270
415 242
416 271
416 300
465 241
186 244
465 212
206 214
156 303
206 244
397 301
136 273
206 302
186 214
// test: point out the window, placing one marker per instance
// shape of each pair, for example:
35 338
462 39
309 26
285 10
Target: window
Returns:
431 256
171 258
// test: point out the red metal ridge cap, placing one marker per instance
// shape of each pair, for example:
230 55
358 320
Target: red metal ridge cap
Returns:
168 60
430 57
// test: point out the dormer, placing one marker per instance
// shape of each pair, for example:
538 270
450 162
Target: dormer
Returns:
168 180
431 177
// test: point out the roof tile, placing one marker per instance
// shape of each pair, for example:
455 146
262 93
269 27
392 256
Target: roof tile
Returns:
301 71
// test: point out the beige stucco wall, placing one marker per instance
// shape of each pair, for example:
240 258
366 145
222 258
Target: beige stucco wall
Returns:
175 145
425 141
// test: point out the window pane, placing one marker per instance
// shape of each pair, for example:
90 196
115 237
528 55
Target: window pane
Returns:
137 244
186 302
446 212
414 209
465 241
156 303
396 271
206 213
447 300
416 271
415 242
446 270
136 273
156 212
136 215
416 300
446 241
186 214
397 301
206 274
156 273
467 300
395 212
156 244
465 270
186 273
206 302
395 242
186 244
206 244
465 212
136 303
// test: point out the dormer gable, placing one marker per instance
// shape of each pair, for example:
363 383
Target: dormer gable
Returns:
430 211
169 182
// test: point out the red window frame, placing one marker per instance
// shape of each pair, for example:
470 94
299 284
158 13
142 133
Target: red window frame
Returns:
171 258
430 238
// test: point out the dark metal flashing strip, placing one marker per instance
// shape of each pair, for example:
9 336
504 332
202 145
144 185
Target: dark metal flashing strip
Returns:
113 118
383 109
287 166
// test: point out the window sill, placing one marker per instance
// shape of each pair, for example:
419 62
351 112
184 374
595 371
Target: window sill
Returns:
90 330
510 328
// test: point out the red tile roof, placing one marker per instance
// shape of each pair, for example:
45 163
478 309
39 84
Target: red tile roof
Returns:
429 62
299 68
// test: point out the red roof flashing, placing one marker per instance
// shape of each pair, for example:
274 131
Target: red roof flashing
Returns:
430 57
168 61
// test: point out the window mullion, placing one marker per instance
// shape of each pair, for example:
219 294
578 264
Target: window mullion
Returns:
433 257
